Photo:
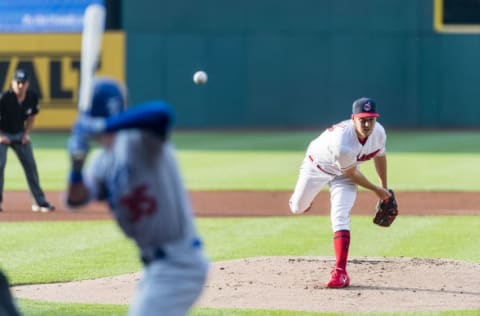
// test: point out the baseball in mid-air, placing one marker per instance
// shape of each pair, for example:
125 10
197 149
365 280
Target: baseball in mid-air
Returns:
200 77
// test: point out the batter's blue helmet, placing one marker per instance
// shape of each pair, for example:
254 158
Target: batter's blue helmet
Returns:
108 98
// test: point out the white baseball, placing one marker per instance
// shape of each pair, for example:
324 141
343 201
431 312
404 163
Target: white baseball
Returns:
200 77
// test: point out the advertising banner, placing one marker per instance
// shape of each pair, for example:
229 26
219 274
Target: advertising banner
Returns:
39 16
53 62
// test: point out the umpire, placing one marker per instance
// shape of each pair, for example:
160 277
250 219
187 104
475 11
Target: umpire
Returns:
18 107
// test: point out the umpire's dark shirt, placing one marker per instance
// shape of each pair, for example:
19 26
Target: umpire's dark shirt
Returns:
13 114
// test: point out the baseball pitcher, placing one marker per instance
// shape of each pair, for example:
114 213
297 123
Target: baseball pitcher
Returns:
333 158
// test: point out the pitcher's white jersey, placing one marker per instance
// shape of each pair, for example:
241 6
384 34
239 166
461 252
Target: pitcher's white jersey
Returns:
327 157
338 147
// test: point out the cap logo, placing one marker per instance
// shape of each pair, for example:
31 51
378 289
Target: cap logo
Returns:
367 106
114 105
20 75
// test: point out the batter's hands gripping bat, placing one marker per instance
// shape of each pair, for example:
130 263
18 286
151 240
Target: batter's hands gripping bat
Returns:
93 28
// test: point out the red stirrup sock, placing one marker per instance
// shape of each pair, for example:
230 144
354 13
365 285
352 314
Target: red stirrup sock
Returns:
341 243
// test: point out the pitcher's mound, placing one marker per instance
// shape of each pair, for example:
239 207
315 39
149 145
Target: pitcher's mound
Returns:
377 284
297 283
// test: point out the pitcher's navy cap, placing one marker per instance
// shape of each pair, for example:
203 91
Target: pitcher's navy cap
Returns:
364 107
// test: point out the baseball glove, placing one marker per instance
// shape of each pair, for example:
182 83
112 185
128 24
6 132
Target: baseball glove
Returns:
386 211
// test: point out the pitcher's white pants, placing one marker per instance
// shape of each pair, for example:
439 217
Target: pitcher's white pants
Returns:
343 193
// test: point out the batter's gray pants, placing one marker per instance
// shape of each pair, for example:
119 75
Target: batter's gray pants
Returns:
24 153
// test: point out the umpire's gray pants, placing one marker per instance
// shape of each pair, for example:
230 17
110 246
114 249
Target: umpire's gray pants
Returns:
24 153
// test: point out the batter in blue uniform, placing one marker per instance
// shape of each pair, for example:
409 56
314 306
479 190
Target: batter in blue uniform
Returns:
135 172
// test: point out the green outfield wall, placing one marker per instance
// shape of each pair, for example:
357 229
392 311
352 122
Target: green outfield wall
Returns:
300 64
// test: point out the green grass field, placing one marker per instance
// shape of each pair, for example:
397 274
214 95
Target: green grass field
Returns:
40 252
426 161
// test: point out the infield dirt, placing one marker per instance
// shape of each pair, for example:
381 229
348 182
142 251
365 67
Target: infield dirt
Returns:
254 203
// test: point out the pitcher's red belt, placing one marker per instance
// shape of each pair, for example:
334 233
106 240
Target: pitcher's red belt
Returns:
320 168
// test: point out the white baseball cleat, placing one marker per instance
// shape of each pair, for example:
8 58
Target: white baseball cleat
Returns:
45 208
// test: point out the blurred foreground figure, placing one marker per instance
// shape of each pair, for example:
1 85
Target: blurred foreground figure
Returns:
136 173
7 303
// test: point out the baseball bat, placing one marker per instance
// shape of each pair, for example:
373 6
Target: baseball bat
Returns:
93 28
